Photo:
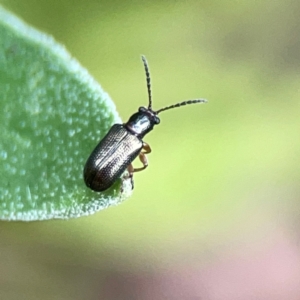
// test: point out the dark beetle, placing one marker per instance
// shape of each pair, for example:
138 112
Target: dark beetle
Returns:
122 144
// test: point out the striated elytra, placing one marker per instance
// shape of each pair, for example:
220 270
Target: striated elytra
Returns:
123 143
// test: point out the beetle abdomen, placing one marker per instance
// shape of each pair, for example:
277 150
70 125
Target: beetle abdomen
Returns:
111 157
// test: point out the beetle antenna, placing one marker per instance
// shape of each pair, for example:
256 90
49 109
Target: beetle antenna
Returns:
148 80
187 102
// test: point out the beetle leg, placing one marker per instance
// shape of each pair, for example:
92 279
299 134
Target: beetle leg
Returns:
130 170
146 148
144 161
143 157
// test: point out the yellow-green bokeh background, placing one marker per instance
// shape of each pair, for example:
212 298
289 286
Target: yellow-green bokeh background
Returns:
223 179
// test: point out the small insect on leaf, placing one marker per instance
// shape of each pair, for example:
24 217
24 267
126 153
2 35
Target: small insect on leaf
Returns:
123 143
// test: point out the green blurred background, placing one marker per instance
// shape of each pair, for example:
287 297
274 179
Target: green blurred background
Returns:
216 214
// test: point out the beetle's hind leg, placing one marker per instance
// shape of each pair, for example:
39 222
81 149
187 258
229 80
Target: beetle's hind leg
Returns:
143 158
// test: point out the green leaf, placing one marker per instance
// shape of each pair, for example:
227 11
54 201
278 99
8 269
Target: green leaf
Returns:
52 116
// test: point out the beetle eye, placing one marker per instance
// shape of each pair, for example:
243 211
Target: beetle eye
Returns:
157 120
142 109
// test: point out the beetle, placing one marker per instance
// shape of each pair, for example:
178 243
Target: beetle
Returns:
123 143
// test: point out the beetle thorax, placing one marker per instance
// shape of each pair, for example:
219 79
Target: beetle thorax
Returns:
142 122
